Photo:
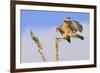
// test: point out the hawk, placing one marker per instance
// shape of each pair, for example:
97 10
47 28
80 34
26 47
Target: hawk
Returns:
69 29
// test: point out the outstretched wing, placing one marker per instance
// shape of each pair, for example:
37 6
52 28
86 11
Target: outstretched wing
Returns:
76 26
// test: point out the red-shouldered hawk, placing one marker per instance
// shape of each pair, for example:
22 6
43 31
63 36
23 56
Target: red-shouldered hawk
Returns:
69 29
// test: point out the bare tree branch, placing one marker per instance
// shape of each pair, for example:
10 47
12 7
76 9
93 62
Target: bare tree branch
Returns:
36 40
56 50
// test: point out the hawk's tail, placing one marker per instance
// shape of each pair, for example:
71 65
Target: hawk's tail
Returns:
81 37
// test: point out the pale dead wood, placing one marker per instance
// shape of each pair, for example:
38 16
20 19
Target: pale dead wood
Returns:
39 45
56 50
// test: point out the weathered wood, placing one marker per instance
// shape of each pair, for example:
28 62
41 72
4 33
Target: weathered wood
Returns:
39 45
56 50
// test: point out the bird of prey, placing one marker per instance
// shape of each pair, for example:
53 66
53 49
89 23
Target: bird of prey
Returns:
69 29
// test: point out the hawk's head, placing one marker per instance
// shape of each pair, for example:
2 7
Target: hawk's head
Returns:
68 20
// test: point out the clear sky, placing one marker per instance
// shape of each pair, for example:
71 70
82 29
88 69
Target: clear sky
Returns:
43 24
46 19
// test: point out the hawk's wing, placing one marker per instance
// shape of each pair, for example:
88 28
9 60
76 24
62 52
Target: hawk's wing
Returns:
76 26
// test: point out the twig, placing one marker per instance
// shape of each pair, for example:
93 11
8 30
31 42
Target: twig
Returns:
36 40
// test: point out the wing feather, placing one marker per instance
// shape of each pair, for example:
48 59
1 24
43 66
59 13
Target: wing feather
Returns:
76 26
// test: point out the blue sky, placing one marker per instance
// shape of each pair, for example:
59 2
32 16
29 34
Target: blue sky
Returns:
43 24
45 19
